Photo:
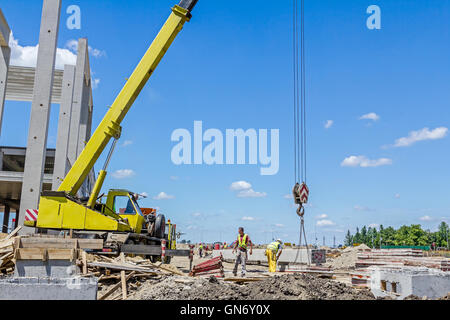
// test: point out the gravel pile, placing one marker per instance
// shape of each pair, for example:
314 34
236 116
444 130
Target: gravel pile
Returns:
284 287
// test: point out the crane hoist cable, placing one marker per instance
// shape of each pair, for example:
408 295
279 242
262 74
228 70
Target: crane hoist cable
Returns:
300 190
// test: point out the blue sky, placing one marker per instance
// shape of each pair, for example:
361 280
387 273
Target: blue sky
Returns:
231 67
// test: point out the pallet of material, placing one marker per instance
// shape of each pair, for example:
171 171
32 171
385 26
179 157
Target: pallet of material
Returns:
7 252
391 253
210 267
398 257
360 279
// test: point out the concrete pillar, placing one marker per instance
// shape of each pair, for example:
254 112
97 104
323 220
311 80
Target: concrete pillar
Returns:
40 110
5 53
5 219
65 113
81 119
78 106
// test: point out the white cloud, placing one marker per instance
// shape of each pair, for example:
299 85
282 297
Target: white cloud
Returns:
370 116
421 135
361 208
426 218
248 219
173 178
364 162
127 143
96 53
250 193
240 185
324 223
26 56
328 124
123 173
196 214
163 196
374 225
245 190
95 83
397 196
279 225
322 216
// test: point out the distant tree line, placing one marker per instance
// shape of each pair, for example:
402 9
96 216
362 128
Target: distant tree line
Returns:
412 235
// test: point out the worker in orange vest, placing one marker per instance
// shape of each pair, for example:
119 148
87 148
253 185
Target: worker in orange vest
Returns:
242 243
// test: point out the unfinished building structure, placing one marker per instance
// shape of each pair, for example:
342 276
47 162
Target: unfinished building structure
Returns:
26 171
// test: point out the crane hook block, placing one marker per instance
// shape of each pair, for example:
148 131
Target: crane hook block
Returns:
300 193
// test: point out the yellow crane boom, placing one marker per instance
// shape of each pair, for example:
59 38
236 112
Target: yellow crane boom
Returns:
110 125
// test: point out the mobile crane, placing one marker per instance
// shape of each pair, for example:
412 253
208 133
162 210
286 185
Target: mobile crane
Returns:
119 219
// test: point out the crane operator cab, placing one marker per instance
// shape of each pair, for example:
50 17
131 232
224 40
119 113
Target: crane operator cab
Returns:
124 204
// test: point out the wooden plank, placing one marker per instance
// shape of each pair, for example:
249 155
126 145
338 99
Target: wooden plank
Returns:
120 267
243 279
12 234
45 254
84 260
61 243
6 244
115 287
123 279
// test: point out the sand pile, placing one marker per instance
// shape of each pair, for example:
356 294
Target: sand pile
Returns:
285 287
348 257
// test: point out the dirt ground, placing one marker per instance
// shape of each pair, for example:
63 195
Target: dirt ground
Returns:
279 287
271 287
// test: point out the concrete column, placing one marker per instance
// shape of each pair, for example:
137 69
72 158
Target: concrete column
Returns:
5 53
78 106
5 219
65 113
40 110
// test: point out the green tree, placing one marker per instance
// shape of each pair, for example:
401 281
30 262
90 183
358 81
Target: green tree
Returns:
364 238
348 239
387 236
442 235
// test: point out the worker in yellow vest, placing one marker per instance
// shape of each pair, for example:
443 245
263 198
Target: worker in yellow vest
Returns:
242 243
273 253
200 250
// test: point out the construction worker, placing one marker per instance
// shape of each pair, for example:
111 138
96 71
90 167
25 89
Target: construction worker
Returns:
200 250
243 241
273 253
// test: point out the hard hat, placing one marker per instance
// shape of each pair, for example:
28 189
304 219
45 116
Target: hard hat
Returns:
279 240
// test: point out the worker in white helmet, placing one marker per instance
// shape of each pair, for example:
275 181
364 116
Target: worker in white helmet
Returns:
273 253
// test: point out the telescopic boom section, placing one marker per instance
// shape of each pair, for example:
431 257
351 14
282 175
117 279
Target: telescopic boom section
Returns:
110 125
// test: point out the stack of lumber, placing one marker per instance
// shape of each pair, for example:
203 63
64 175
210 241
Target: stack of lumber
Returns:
398 258
118 276
7 252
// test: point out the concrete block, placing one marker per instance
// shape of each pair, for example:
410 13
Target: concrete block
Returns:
45 269
73 288
287 256
400 283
